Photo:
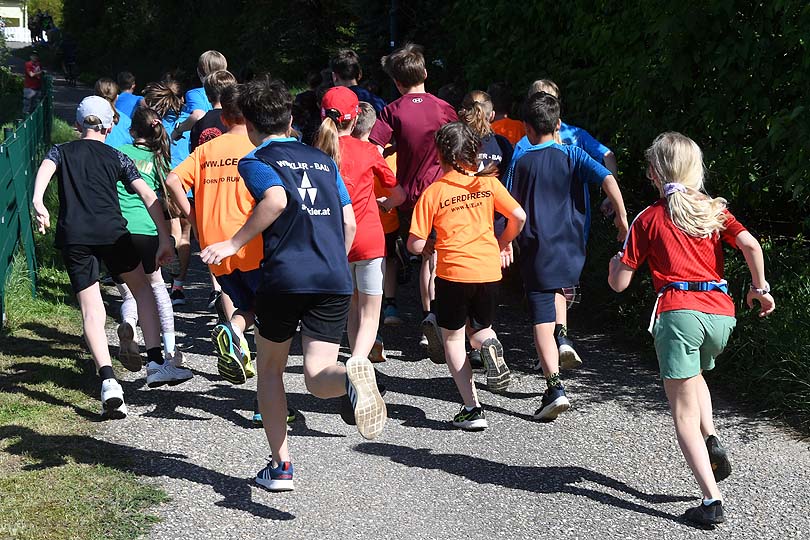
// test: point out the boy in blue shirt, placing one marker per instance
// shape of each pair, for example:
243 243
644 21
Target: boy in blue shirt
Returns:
305 217
550 181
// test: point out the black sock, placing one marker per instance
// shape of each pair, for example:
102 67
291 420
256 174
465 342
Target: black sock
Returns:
155 354
105 373
425 314
560 330
391 302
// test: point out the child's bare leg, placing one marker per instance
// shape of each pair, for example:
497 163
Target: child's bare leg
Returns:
94 317
227 305
148 316
324 377
547 350
705 399
684 401
184 250
478 337
242 319
271 359
368 322
427 279
459 366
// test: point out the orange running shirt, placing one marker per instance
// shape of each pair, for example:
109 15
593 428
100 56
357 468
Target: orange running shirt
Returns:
461 208
222 203
390 219
509 128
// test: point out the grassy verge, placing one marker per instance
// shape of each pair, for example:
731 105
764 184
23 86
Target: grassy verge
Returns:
56 480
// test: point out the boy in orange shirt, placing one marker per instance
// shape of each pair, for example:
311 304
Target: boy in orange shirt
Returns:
460 206
504 126
223 205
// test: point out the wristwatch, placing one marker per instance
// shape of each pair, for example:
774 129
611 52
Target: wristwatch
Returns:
765 290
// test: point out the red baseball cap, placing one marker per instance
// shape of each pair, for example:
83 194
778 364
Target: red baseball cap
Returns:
342 100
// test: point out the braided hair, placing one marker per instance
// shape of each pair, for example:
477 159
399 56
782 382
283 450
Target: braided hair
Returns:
458 147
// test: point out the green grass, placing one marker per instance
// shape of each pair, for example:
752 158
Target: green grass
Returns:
62 132
57 481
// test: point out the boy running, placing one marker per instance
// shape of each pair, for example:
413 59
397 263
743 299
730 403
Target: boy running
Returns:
411 123
550 181
90 229
307 224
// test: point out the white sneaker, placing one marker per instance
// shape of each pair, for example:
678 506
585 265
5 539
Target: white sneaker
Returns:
128 353
112 400
166 373
433 336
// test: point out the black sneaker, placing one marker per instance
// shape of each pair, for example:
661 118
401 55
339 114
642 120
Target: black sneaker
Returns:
721 467
212 298
498 375
706 516
553 404
474 357
403 258
473 420
178 297
569 359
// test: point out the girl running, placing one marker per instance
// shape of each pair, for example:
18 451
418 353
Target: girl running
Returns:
477 112
460 207
151 155
119 136
359 162
681 236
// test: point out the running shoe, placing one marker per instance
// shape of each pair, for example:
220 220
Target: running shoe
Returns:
377 354
166 373
128 353
706 516
278 478
472 420
404 269
367 404
112 400
423 341
347 410
718 457
474 356
391 316
230 355
553 404
106 280
498 375
178 297
569 359
213 297
257 416
433 335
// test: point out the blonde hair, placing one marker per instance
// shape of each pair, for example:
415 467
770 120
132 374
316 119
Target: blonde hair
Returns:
676 159
366 119
108 89
475 111
209 62
327 138
549 87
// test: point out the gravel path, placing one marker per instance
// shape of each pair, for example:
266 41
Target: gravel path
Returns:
609 468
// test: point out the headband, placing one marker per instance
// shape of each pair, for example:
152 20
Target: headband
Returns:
673 187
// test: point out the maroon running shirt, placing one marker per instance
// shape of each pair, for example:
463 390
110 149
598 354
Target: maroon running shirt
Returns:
412 121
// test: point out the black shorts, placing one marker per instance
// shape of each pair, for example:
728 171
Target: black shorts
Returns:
82 262
391 244
456 302
147 248
322 316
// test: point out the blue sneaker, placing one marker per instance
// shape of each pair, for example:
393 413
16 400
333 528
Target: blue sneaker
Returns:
279 478
553 404
391 316
257 417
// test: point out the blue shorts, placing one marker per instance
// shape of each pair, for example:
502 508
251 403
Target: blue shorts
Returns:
541 305
241 287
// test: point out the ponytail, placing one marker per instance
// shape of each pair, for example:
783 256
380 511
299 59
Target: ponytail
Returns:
475 111
326 138
458 147
676 166
164 98
108 89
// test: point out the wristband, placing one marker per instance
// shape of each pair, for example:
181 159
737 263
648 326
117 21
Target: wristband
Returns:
765 290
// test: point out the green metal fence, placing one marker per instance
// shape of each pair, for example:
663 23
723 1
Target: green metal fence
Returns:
20 154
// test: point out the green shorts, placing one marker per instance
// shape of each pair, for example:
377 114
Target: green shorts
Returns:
687 341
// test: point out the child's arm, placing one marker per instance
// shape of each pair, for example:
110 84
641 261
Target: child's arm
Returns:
46 171
150 200
415 244
264 214
349 227
613 193
619 274
177 194
756 264
396 196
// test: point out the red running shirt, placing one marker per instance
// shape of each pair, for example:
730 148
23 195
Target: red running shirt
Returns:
411 122
674 256
360 163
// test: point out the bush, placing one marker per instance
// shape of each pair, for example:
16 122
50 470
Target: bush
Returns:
11 88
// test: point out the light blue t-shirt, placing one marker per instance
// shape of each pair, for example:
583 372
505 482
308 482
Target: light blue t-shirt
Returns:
574 136
126 103
119 136
180 149
196 99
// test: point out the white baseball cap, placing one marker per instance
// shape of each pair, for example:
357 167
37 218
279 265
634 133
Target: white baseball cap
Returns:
95 106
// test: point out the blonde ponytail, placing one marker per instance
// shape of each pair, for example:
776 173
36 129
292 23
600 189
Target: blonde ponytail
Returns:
475 111
327 139
676 166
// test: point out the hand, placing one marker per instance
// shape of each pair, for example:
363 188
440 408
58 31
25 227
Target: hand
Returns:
176 135
216 253
165 252
607 208
766 302
430 247
507 256
621 225
42 216
381 203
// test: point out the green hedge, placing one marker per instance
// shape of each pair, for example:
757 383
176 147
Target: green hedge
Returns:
11 88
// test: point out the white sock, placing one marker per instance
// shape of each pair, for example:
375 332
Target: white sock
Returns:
238 332
708 502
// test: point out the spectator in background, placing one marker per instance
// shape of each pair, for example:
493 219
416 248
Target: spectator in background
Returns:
127 100
32 83
346 71
501 95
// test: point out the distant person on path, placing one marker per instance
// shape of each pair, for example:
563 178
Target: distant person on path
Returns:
306 112
305 217
510 128
151 154
681 238
410 123
460 207
90 229
551 181
32 83
120 135
127 100
196 102
346 71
